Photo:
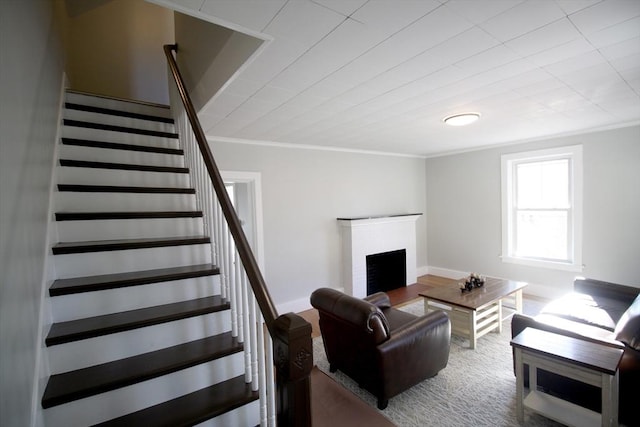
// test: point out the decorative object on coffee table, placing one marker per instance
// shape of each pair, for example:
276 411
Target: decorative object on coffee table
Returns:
473 281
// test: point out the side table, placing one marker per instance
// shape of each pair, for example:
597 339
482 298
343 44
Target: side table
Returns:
582 360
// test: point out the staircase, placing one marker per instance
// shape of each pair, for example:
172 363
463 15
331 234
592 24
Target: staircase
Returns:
141 334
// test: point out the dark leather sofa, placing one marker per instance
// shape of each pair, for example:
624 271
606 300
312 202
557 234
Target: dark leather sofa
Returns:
597 311
385 350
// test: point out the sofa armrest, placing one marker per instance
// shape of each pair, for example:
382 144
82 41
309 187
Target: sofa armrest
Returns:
628 328
379 299
606 289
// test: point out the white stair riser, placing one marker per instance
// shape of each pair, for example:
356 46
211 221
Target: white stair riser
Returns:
110 262
110 119
119 137
89 304
135 397
116 104
92 154
98 176
107 348
247 415
79 231
70 201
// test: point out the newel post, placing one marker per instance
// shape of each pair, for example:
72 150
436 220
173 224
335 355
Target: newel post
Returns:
293 350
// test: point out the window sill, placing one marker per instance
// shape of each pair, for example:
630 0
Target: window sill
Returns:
543 264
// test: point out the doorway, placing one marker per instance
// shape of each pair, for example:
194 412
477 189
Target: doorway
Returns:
245 190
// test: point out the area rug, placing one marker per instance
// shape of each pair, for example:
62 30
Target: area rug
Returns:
477 388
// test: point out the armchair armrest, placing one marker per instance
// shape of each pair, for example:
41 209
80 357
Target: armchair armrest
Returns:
418 349
379 299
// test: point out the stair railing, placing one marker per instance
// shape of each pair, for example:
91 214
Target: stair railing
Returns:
285 397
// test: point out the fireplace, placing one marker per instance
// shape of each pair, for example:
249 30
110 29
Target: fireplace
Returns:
362 237
386 271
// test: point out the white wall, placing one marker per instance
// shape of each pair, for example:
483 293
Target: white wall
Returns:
115 48
304 191
30 83
464 212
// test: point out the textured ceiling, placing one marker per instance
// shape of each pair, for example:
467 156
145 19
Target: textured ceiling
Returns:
381 75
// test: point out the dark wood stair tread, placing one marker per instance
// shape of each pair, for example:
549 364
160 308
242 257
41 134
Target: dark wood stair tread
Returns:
120 113
121 166
120 280
123 129
123 189
87 216
64 248
81 383
193 408
75 330
121 146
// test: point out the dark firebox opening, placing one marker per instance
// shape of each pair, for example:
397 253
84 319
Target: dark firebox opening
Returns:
386 271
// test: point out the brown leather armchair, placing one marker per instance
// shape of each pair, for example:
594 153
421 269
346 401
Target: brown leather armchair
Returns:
385 350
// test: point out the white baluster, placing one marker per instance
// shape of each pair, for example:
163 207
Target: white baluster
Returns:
271 384
262 373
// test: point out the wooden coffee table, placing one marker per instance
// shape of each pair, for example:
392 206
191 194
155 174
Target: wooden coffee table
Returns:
479 311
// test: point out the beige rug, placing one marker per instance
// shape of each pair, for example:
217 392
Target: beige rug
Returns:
477 388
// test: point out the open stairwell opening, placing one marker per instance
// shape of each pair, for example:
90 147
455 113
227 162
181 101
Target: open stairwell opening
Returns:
160 314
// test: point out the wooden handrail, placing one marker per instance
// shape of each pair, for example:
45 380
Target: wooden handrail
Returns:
267 307
293 348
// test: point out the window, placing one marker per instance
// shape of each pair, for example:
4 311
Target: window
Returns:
542 208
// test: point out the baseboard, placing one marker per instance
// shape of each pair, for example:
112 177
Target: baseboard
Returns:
298 305
445 272
422 270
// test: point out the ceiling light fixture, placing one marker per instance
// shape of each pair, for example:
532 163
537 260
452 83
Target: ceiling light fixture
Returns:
461 119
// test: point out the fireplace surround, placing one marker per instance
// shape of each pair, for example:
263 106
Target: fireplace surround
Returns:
364 236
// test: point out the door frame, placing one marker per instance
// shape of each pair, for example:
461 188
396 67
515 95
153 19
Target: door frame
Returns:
254 182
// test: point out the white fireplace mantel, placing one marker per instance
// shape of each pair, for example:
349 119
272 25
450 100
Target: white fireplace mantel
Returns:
372 235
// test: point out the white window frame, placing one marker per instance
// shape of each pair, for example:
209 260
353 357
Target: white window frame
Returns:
509 163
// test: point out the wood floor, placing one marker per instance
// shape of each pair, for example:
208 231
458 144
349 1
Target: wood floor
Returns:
398 297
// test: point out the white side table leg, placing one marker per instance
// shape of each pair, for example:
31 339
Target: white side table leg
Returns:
610 400
519 385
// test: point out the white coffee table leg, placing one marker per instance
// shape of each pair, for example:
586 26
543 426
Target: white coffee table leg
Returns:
472 329
500 316
519 301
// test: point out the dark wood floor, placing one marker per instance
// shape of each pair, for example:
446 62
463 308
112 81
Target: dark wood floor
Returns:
398 297
334 406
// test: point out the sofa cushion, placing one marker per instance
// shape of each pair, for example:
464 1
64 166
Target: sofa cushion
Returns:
628 328
598 311
571 328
